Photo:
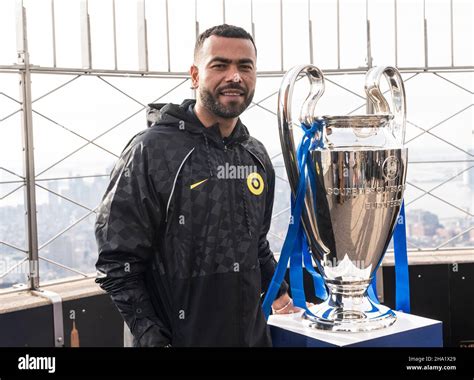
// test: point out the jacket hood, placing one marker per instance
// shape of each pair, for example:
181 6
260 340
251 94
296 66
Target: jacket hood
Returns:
182 116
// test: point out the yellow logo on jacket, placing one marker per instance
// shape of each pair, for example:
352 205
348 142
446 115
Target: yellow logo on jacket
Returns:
194 185
255 183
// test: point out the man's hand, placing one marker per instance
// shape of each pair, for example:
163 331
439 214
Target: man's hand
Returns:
284 305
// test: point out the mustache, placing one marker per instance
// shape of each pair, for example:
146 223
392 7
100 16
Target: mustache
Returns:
232 86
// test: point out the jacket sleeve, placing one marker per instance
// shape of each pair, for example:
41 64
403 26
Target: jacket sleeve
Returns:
265 255
127 217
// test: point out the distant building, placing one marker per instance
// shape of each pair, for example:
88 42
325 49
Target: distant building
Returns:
53 199
423 223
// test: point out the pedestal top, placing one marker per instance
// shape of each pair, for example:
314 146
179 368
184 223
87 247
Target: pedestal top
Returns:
404 324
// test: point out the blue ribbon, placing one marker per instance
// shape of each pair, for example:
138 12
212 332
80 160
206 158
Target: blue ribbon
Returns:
402 279
295 247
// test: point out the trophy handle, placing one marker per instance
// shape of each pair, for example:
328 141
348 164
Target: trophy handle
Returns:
285 119
381 106
285 128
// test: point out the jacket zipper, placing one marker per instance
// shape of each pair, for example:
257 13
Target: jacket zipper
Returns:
232 219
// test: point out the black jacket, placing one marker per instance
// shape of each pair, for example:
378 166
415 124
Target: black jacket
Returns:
182 243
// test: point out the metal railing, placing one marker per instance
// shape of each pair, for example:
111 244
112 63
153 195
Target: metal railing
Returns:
29 181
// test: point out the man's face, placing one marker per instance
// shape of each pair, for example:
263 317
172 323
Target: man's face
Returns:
224 75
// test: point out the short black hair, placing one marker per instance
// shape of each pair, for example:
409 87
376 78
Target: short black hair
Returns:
224 30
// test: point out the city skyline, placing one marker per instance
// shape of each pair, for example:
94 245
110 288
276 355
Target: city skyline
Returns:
77 248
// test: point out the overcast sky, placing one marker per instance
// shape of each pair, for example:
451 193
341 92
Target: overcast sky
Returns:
266 15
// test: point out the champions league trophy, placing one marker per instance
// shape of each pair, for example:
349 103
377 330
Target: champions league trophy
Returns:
353 200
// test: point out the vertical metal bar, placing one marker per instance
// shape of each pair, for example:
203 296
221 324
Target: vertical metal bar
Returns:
368 105
196 22
85 35
223 11
425 34
196 31
310 30
252 21
142 36
114 23
20 32
53 32
168 36
396 31
28 156
452 32
196 27
281 35
338 38
369 41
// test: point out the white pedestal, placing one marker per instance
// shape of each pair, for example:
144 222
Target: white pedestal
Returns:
408 331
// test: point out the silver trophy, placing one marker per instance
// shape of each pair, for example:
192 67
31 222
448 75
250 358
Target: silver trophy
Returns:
360 181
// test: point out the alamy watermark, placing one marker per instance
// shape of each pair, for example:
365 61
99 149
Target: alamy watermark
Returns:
337 263
28 362
26 267
228 171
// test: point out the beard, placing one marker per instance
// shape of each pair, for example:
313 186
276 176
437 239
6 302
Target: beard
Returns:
227 111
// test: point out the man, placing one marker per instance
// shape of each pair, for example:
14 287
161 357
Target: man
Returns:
182 227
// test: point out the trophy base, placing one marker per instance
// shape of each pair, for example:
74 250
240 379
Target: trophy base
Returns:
362 316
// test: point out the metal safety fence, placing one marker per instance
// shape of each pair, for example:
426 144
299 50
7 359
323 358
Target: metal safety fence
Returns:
63 131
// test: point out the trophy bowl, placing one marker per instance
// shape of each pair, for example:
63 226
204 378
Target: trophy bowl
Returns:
353 202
